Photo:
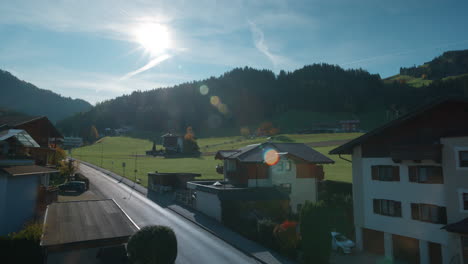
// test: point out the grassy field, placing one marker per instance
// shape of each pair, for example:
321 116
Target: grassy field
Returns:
111 152
410 80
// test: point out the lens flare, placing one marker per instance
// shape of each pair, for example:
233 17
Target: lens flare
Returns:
215 100
271 157
204 89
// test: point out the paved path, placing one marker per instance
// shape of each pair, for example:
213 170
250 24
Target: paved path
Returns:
207 241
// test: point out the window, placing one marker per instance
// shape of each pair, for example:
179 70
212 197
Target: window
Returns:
386 173
279 166
387 207
463 158
465 201
429 213
425 174
287 165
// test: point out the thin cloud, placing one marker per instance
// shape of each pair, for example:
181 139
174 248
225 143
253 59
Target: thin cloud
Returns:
148 66
259 41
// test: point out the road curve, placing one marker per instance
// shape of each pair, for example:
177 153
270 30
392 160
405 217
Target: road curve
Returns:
195 245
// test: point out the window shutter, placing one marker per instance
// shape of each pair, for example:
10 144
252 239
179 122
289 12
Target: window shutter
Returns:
375 172
442 215
396 173
436 175
415 211
377 206
413 173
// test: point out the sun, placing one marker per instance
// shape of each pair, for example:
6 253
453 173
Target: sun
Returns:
153 37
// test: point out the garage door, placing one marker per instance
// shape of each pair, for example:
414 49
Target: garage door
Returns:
373 241
405 249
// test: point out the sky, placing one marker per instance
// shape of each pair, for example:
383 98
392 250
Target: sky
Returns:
98 50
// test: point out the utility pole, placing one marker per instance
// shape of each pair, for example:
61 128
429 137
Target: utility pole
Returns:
102 151
135 166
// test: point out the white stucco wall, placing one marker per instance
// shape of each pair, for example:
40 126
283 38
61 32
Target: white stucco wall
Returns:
405 192
302 189
209 204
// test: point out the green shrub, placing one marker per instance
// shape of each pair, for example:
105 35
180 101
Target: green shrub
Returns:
265 228
315 231
153 245
31 231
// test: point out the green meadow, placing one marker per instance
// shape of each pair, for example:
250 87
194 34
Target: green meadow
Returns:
111 152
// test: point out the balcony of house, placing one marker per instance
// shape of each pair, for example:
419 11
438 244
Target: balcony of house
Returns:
416 152
16 160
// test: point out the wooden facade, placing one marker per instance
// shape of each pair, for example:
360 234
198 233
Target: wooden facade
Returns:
420 133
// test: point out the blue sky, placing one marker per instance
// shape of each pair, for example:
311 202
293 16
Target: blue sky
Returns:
97 50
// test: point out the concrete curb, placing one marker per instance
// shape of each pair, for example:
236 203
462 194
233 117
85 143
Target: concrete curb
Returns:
117 177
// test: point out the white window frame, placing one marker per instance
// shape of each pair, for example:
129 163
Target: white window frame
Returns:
461 203
457 157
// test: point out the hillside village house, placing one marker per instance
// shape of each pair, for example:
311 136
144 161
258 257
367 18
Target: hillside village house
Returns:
410 185
40 129
283 172
22 182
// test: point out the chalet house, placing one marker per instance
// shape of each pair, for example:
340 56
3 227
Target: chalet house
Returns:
285 172
40 129
22 183
410 185
173 143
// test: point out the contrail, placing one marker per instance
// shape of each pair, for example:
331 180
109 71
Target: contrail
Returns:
148 66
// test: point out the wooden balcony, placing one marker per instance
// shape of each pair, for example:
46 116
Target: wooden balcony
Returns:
416 152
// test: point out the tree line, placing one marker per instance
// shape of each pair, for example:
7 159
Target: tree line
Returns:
247 97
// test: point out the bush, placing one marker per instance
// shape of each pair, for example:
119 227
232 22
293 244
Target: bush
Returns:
315 233
153 245
15 245
265 228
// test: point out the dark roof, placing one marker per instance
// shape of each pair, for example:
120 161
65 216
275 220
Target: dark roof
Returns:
85 221
460 227
16 120
27 170
348 147
255 153
252 194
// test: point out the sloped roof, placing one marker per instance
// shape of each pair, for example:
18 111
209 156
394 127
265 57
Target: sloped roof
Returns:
85 221
347 148
255 153
22 136
16 120
27 170
460 227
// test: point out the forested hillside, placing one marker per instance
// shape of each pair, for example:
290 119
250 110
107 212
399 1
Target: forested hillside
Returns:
450 63
246 97
24 97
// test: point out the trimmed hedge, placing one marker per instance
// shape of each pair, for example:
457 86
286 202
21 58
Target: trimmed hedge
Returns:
153 245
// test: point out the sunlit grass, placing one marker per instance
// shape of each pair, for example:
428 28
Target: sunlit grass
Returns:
111 152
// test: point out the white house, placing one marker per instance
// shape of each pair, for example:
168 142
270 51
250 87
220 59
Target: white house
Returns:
410 185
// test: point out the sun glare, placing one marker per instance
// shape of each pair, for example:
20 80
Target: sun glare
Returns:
153 37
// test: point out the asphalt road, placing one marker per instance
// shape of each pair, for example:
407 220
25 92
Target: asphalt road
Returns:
195 245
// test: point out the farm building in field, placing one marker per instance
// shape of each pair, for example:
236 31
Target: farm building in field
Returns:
263 172
173 143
